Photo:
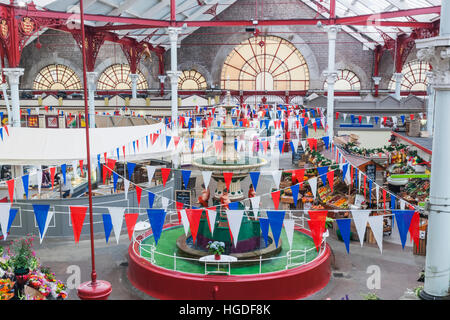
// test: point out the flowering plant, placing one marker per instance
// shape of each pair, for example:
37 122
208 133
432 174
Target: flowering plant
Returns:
22 254
216 247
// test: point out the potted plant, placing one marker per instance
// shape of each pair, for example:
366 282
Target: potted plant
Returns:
23 258
371 296
216 248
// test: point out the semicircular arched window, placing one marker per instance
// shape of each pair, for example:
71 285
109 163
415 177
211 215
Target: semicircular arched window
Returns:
265 63
191 80
414 76
346 81
57 77
117 77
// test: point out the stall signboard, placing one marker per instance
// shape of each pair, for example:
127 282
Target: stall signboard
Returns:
71 122
51 121
81 121
33 121
183 196
371 171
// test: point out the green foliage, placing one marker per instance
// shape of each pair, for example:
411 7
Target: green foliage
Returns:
22 254
417 290
370 296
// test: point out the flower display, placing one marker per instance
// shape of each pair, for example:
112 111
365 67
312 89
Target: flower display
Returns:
216 247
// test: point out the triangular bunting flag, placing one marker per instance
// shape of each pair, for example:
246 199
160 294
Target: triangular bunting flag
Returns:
165 174
206 178
77 216
360 219
227 177
186 174
107 225
376 225
234 218
344 228
289 225
403 219
116 214
264 225
276 198
194 216
130 220
156 218
276 223
255 178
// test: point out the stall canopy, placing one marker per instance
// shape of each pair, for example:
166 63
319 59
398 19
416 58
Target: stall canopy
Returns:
35 146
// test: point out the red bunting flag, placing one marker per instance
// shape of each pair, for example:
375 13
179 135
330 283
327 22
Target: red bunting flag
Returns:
137 144
411 116
6 129
176 139
365 179
123 149
330 177
10 184
227 177
165 174
110 164
218 144
265 146
414 228
138 195
52 175
105 156
384 199
311 143
130 220
315 126
276 198
81 167
77 216
337 115
360 119
155 137
299 175
179 206
351 175
104 173
317 226
194 216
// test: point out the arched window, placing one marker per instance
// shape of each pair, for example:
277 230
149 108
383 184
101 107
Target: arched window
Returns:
191 80
56 77
346 81
265 63
117 77
414 76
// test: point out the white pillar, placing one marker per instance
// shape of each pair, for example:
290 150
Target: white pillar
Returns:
134 78
5 97
174 73
398 85
13 75
430 106
91 81
436 51
331 75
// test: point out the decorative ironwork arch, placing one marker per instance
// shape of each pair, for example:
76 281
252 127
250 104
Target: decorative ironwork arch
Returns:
265 63
117 77
191 80
414 76
57 77
346 81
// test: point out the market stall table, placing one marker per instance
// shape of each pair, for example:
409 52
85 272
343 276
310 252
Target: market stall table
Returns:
224 259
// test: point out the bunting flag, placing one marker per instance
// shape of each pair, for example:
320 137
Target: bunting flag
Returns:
255 178
403 219
10 184
156 218
326 141
206 178
234 218
233 205
77 216
176 140
168 138
393 202
289 225
218 145
138 195
186 174
344 228
317 228
104 173
130 169
360 219
384 198
179 206
25 182
330 177
12 216
63 171
322 171
5 209
107 225
184 221
211 214
344 171
165 174
276 223
227 177
42 218
151 199
376 225
126 186
130 221
39 179
116 214
255 205
115 179
281 146
377 192
276 198
81 167
295 190
150 173
299 175
194 216
414 228
294 145
164 202
276 175
111 164
313 184
264 225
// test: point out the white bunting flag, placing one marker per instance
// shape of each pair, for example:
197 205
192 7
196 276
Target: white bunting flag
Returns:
39 179
4 218
165 202
376 224
150 173
368 119
303 142
394 119
75 168
313 184
255 205
289 228
206 178
344 115
47 222
359 180
117 215
212 219
360 219
126 185
402 204
272 144
234 221
377 191
276 175
295 144
184 221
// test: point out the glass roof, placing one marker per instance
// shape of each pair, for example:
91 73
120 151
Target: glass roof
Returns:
197 10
